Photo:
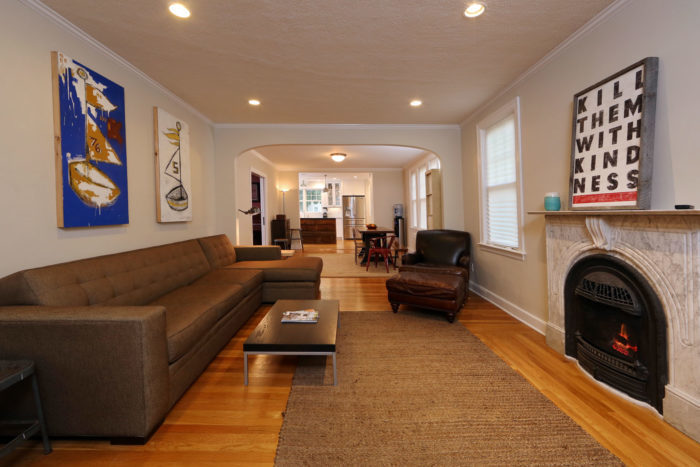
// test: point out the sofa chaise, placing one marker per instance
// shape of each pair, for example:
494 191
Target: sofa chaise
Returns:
118 339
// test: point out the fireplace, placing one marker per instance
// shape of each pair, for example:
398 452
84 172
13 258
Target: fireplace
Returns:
616 328
633 278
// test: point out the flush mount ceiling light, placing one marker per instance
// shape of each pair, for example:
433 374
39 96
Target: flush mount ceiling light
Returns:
416 103
474 9
179 10
254 102
338 156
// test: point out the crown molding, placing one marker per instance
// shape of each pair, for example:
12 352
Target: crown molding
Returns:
600 18
338 126
59 20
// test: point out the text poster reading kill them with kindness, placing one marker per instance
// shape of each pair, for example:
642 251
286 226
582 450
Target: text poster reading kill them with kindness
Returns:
613 140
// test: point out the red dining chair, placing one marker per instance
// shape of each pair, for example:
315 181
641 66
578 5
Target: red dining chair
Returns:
381 246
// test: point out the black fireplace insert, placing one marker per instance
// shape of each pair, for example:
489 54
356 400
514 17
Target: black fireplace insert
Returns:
616 327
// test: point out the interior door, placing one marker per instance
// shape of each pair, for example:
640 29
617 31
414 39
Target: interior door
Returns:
257 198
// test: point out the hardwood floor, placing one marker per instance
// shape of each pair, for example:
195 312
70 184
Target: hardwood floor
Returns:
220 421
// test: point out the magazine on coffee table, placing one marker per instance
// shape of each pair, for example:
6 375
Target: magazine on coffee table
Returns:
300 316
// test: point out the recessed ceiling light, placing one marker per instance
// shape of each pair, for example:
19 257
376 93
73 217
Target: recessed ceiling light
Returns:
179 10
416 103
253 102
474 9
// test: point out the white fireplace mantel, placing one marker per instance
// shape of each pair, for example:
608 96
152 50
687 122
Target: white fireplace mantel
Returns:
664 246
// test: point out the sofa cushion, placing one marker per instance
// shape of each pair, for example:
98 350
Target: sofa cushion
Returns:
131 278
218 250
249 279
192 311
439 286
294 269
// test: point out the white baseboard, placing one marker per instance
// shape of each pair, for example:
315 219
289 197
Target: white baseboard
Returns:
512 309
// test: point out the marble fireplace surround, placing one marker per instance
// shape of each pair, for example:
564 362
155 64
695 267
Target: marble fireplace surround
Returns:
664 246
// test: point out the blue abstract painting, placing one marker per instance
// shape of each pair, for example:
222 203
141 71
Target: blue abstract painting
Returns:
91 170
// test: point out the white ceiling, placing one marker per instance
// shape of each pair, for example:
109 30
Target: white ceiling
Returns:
309 157
331 61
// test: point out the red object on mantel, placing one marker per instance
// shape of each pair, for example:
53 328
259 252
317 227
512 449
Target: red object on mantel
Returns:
605 197
621 342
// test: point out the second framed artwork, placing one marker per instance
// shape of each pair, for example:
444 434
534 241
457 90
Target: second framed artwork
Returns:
613 140
173 169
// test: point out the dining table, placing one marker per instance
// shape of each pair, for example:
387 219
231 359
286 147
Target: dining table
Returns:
368 235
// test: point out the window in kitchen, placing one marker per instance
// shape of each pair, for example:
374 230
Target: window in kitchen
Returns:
309 201
500 181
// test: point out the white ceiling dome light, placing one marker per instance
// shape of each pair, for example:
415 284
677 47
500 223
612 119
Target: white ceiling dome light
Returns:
338 156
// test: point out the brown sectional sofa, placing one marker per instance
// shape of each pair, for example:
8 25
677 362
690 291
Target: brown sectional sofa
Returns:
118 339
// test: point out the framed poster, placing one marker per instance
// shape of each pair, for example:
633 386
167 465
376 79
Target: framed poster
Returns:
90 146
613 140
173 188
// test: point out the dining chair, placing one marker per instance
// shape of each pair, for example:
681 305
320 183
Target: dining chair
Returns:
359 244
381 246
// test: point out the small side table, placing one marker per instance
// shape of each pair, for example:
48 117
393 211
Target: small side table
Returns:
12 372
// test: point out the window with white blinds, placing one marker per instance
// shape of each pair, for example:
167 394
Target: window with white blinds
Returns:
499 161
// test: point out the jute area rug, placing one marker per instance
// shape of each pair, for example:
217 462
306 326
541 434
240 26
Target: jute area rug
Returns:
414 389
343 265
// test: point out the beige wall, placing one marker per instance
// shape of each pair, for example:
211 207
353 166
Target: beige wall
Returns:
233 140
636 30
387 191
27 178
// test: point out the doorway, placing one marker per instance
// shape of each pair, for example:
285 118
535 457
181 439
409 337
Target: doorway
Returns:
257 200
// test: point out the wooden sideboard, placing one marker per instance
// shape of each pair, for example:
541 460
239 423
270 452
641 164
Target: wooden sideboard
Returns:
320 230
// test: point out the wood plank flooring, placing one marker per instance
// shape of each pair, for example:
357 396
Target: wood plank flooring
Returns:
220 421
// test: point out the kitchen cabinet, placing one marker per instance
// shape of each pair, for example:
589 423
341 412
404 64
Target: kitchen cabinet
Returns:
334 194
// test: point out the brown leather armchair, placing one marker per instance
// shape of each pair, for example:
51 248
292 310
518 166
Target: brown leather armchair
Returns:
436 275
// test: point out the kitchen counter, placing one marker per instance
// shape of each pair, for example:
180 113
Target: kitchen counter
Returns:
318 230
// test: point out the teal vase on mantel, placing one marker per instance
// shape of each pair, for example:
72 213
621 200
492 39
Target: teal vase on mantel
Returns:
552 202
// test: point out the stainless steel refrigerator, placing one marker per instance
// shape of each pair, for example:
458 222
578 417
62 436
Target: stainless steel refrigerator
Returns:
353 214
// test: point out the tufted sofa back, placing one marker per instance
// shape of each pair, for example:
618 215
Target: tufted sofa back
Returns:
131 278
219 250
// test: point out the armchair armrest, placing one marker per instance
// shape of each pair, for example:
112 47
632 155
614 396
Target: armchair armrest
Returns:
94 364
258 253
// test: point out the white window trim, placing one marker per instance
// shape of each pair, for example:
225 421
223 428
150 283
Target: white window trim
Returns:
512 107
430 161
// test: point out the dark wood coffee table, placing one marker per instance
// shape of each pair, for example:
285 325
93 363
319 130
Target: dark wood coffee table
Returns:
272 337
